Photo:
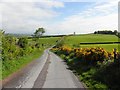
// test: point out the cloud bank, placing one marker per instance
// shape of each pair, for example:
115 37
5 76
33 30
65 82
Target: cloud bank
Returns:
25 17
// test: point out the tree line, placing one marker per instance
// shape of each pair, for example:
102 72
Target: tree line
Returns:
115 32
105 32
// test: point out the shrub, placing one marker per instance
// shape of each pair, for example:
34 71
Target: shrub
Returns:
109 74
87 55
9 49
23 42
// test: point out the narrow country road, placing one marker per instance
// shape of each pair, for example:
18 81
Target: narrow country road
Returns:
59 76
49 71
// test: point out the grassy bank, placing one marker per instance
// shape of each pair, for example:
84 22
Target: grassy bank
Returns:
10 66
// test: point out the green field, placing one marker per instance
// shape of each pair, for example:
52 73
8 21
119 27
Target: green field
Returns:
108 47
76 40
47 42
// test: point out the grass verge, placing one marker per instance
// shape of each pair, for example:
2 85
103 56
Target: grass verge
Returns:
10 66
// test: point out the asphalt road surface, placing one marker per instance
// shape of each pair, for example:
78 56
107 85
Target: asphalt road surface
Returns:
49 71
59 76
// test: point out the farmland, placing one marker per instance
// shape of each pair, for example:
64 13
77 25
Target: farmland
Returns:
74 41
47 42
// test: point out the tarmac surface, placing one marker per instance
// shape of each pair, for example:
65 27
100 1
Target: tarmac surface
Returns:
49 71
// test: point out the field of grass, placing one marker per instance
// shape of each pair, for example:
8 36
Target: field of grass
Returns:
107 47
47 42
76 40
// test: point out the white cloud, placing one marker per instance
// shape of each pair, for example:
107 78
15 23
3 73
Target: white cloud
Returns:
25 17
50 4
45 3
101 17
89 25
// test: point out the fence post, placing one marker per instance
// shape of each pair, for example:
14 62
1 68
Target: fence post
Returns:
115 54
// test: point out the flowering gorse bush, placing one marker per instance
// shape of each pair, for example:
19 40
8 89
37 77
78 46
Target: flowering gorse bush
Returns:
89 55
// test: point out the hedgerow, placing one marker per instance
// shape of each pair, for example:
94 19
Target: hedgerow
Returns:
87 55
94 66
13 47
13 52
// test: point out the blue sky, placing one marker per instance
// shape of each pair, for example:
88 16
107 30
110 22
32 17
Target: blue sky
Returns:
58 17
71 8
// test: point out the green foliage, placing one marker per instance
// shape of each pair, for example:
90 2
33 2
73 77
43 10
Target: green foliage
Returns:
23 42
1 35
9 49
10 66
39 32
104 73
105 76
98 74
60 44
109 74
85 71
87 55
104 32
17 52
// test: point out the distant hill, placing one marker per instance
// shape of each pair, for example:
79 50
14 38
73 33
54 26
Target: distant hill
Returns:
18 35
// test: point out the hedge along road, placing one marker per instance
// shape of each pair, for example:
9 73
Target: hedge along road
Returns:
49 71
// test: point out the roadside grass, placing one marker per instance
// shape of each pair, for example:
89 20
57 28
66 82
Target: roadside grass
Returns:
10 66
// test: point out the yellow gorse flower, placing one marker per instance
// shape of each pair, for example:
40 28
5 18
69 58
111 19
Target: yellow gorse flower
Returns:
95 53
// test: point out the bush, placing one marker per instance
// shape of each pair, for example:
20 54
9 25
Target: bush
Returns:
9 49
87 55
95 66
23 42
13 47
109 74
